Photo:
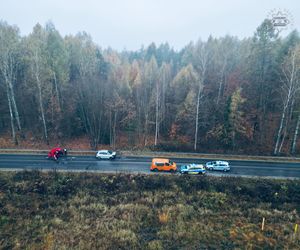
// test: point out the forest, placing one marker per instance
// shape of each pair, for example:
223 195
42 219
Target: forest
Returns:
221 95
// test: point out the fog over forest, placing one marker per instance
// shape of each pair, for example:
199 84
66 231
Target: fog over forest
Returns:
216 95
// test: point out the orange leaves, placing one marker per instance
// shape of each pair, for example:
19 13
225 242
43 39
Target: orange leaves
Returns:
163 217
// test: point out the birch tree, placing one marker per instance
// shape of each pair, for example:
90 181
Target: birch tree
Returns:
201 54
163 81
39 70
57 59
150 80
135 80
9 42
185 98
295 137
289 90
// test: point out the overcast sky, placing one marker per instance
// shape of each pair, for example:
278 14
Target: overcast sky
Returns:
129 24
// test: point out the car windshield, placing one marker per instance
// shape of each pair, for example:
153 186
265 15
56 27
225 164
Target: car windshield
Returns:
109 151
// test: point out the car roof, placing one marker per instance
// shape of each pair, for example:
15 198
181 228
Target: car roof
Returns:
218 162
222 162
160 160
195 165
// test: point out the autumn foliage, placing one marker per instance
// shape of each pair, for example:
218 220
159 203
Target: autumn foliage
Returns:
219 95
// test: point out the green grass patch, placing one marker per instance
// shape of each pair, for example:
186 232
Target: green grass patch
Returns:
105 211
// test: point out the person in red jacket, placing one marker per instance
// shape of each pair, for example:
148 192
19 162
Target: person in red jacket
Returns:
55 153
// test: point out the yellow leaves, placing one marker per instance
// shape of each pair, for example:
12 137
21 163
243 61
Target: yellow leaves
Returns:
163 217
233 233
186 76
48 241
248 236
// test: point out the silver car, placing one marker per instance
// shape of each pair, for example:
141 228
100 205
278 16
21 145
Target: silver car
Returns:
106 154
218 165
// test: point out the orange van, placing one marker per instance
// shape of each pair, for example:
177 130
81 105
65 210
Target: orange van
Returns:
159 164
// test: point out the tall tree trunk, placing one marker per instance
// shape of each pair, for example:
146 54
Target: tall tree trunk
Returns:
156 114
8 76
283 136
14 105
57 91
86 121
15 140
41 107
110 129
293 151
292 88
99 128
146 129
221 82
197 115
280 129
262 96
114 130
290 113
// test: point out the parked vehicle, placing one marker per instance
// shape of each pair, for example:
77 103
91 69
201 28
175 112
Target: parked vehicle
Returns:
106 154
192 169
218 165
159 164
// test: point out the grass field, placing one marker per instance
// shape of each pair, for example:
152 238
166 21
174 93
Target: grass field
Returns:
122 211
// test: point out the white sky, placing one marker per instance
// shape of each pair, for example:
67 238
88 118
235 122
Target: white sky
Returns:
129 24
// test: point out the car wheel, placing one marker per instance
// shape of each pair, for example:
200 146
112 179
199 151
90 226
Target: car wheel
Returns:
172 171
155 170
210 169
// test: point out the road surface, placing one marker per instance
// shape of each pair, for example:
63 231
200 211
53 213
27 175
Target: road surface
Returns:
142 164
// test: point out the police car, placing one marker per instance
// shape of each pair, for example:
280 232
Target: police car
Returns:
192 169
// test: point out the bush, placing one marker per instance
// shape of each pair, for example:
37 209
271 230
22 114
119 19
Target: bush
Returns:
105 211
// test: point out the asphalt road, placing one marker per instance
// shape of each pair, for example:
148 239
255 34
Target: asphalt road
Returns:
141 165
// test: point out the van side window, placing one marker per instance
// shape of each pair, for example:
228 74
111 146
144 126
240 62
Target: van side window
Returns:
167 164
159 164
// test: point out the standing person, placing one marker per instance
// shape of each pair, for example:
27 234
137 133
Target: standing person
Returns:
56 155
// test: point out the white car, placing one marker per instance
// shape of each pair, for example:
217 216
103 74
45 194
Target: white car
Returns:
106 154
218 165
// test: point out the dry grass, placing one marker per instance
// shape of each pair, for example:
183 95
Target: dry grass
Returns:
101 211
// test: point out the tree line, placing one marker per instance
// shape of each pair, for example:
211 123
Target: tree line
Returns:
220 95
